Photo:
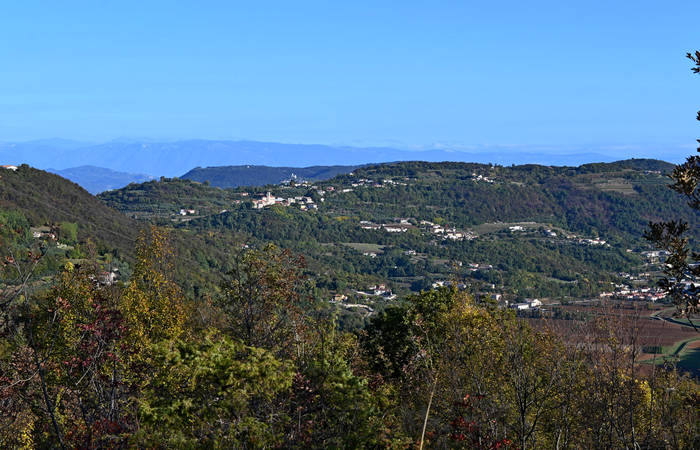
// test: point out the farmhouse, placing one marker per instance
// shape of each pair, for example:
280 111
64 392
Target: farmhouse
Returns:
520 306
397 227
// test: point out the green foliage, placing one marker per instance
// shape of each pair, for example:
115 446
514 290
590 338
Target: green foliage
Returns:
84 364
216 393
153 305
68 232
387 341
45 198
13 227
262 299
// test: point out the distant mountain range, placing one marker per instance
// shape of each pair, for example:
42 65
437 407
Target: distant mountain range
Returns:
235 176
176 158
98 179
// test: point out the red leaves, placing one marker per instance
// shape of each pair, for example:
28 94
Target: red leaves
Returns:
62 303
472 428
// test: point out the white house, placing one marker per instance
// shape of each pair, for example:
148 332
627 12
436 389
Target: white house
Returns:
520 306
534 303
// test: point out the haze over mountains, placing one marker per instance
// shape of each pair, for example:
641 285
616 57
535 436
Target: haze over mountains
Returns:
177 158
235 176
98 179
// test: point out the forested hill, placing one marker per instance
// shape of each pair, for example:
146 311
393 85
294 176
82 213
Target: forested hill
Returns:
38 198
45 198
617 199
545 231
235 176
613 199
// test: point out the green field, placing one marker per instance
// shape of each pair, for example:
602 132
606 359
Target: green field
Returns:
365 248
688 358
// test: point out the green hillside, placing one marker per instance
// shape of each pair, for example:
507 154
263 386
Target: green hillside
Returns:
581 226
44 198
166 197
35 199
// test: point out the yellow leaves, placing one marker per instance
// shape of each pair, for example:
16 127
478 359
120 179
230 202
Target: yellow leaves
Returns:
645 390
25 440
153 306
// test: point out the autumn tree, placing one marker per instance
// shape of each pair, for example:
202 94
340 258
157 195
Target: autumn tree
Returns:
682 280
62 361
152 305
80 332
262 299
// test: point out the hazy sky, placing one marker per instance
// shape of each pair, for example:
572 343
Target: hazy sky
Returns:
405 73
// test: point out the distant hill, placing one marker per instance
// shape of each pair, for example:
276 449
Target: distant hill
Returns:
43 197
98 179
46 198
558 211
175 158
167 196
235 176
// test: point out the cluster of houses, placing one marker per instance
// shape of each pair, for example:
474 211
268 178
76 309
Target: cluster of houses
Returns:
655 256
552 234
447 233
9 167
340 299
520 228
108 278
647 294
364 182
186 212
447 283
305 203
401 226
477 178
378 290
595 241
50 234
404 225
294 179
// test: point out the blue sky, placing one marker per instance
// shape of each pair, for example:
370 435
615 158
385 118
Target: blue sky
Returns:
563 75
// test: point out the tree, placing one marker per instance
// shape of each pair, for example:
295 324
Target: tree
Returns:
682 280
80 333
262 299
215 393
153 306
61 373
